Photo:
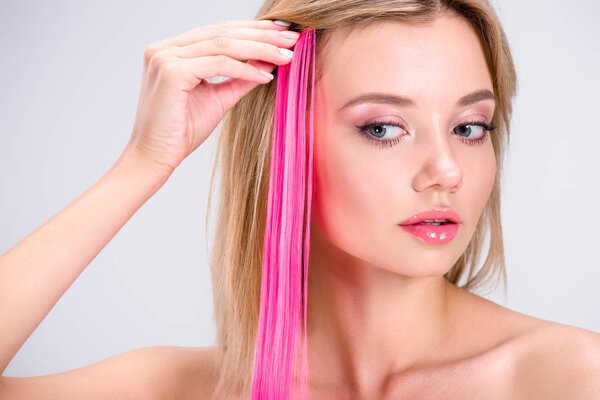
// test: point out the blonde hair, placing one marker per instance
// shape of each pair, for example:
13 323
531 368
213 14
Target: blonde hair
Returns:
244 151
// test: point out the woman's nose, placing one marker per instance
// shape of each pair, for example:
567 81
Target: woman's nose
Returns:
439 167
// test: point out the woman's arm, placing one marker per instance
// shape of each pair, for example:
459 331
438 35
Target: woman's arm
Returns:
37 271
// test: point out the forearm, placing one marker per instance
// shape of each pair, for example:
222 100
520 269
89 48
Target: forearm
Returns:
37 271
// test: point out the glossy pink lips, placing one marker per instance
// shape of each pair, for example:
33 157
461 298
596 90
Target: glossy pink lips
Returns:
432 233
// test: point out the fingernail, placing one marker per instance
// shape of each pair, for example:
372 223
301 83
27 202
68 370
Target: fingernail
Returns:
289 34
265 73
288 53
282 23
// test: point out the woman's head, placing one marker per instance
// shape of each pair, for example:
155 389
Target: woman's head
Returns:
380 161
433 52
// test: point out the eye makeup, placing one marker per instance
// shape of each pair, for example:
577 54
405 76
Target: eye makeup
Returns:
363 130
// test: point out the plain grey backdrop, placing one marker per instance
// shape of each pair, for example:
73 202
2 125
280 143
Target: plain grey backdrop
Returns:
69 84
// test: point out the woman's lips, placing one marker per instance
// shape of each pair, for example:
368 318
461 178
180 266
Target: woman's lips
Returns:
432 233
445 213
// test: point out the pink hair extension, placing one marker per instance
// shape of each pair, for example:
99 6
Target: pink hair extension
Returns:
284 285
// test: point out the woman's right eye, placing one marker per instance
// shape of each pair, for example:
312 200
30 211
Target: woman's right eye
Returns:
379 133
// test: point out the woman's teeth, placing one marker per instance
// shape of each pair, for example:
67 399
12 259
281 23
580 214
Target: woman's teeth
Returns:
435 222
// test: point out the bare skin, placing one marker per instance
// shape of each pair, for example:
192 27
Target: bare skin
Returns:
383 322
177 110
503 354
378 303
391 327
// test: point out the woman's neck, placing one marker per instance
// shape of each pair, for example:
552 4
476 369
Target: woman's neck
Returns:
366 324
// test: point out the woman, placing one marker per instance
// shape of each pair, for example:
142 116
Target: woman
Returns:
386 317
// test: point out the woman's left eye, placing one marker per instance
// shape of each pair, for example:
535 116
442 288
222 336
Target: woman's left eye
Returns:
375 131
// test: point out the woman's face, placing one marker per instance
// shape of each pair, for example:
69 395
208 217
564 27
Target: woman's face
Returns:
364 189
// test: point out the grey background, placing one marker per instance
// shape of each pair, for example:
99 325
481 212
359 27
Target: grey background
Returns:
69 83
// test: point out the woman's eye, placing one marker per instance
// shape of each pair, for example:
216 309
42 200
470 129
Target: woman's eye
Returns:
380 133
387 133
469 130
381 130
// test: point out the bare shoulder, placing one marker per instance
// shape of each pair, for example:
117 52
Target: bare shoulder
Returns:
178 372
536 358
190 373
149 373
558 361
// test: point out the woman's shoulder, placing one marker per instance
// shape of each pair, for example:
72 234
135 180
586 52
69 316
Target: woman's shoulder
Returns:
199 374
186 372
533 356
543 358
152 372
557 361
178 372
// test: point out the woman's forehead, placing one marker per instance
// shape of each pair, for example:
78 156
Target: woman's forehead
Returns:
444 58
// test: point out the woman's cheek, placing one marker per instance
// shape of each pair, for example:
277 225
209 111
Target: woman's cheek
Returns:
343 195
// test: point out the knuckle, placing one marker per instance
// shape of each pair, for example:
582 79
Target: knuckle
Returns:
170 69
220 29
221 59
159 62
221 42
150 51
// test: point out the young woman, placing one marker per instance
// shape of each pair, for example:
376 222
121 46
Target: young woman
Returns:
412 105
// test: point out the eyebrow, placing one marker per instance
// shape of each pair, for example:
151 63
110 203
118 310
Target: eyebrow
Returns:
386 98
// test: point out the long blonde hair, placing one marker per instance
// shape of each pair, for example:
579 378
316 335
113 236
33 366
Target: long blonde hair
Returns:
243 162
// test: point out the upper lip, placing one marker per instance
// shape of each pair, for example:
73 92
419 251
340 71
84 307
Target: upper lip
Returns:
434 213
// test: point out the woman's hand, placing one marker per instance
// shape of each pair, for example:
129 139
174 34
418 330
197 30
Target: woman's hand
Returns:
177 108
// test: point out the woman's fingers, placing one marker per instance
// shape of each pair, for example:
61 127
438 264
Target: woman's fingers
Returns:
236 40
238 49
230 91
260 38
177 109
221 28
195 69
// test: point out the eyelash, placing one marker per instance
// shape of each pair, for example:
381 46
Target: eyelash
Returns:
391 142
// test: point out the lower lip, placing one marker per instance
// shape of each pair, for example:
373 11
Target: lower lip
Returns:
432 233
